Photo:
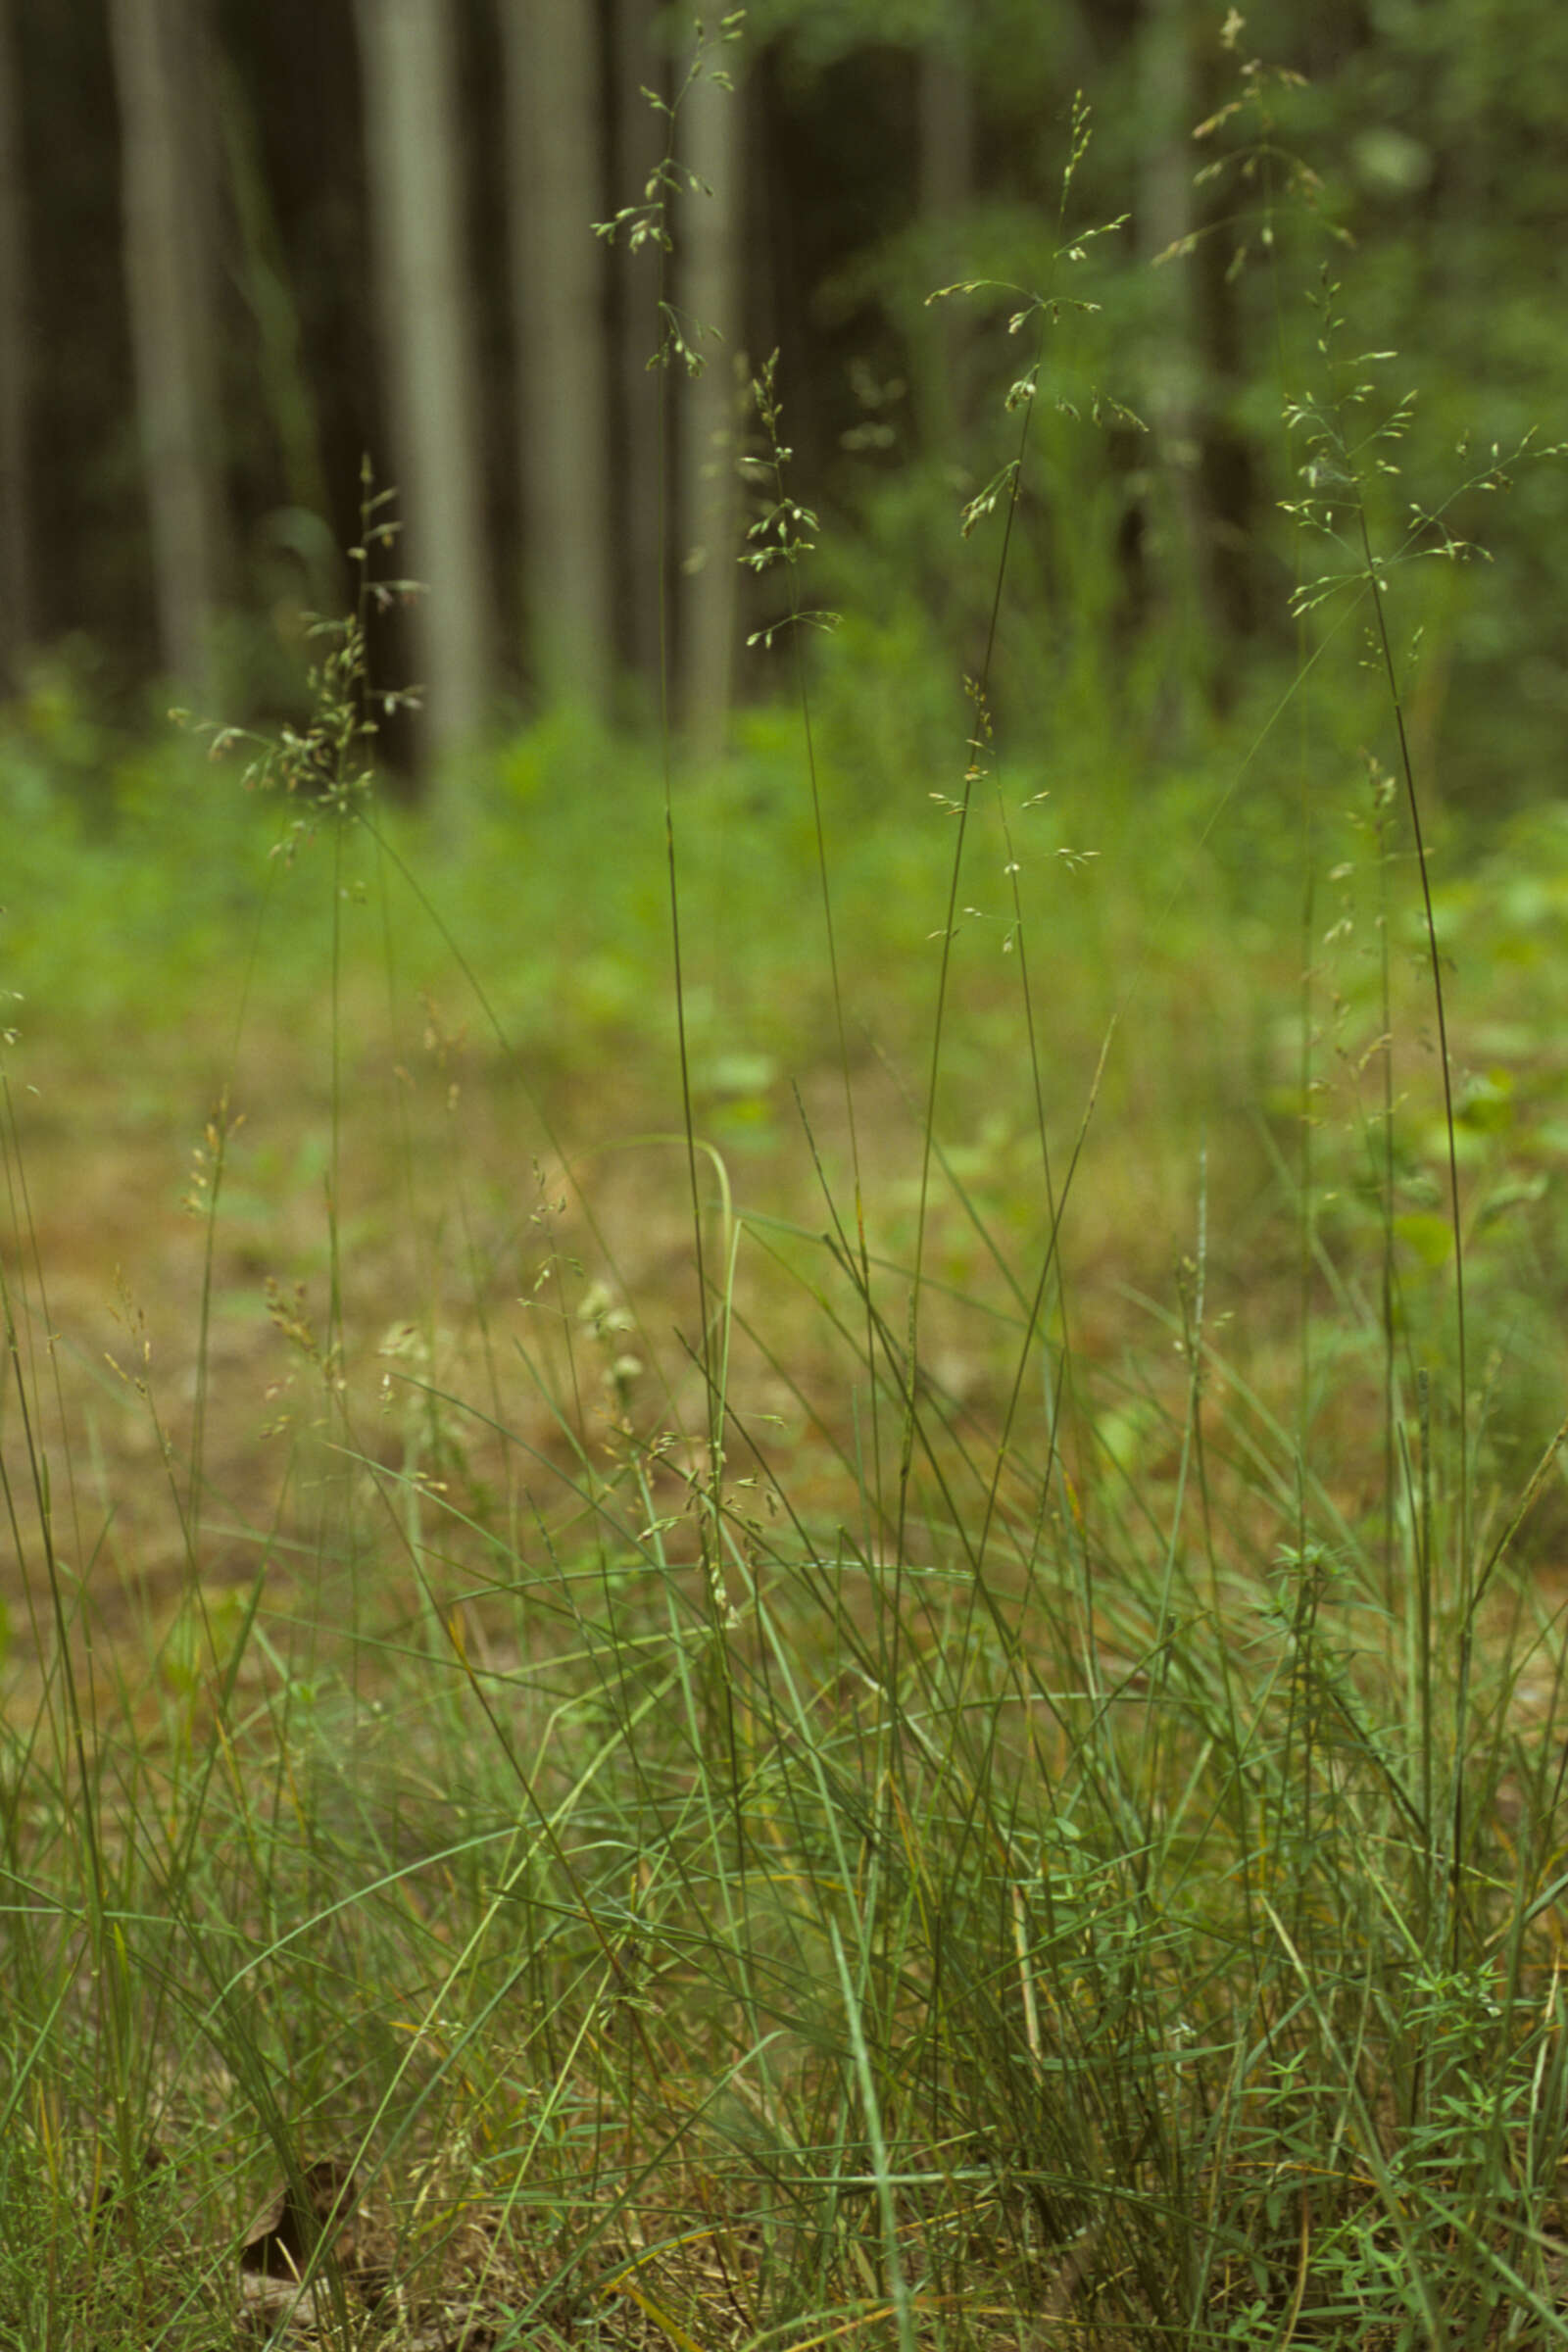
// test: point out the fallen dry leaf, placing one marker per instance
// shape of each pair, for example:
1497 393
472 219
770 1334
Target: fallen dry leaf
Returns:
286 2231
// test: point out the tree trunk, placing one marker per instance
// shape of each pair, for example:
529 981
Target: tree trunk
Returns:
417 208
1227 485
554 195
164 86
16 614
706 230
285 393
1166 214
946 101
639 142
1195 357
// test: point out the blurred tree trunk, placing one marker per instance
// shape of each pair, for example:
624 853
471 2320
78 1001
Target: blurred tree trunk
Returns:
1195 352
414 165
283 387
1168 111
554 195
166 88
1227 466
946 188
639 142
706 230
15 599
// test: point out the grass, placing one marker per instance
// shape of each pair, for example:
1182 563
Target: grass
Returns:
986 1772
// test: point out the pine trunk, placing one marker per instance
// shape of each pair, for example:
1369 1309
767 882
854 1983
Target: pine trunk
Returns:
946 188
558 298
16 614
639 142
408 49
165 88
706 232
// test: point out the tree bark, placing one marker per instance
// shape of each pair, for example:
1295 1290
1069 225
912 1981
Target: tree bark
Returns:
15 599
639 142
945 102
708 274
1195 357
1167 215
1227 486
284 392
554 195
165 84
422 285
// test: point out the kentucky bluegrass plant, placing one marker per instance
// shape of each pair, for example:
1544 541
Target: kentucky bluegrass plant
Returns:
855 1816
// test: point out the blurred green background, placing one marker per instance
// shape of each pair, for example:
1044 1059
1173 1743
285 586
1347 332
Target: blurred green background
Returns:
240 248
245 251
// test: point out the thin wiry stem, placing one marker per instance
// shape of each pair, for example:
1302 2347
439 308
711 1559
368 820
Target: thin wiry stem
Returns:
972 772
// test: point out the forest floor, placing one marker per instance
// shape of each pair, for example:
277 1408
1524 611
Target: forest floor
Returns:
534 1238
149 1326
